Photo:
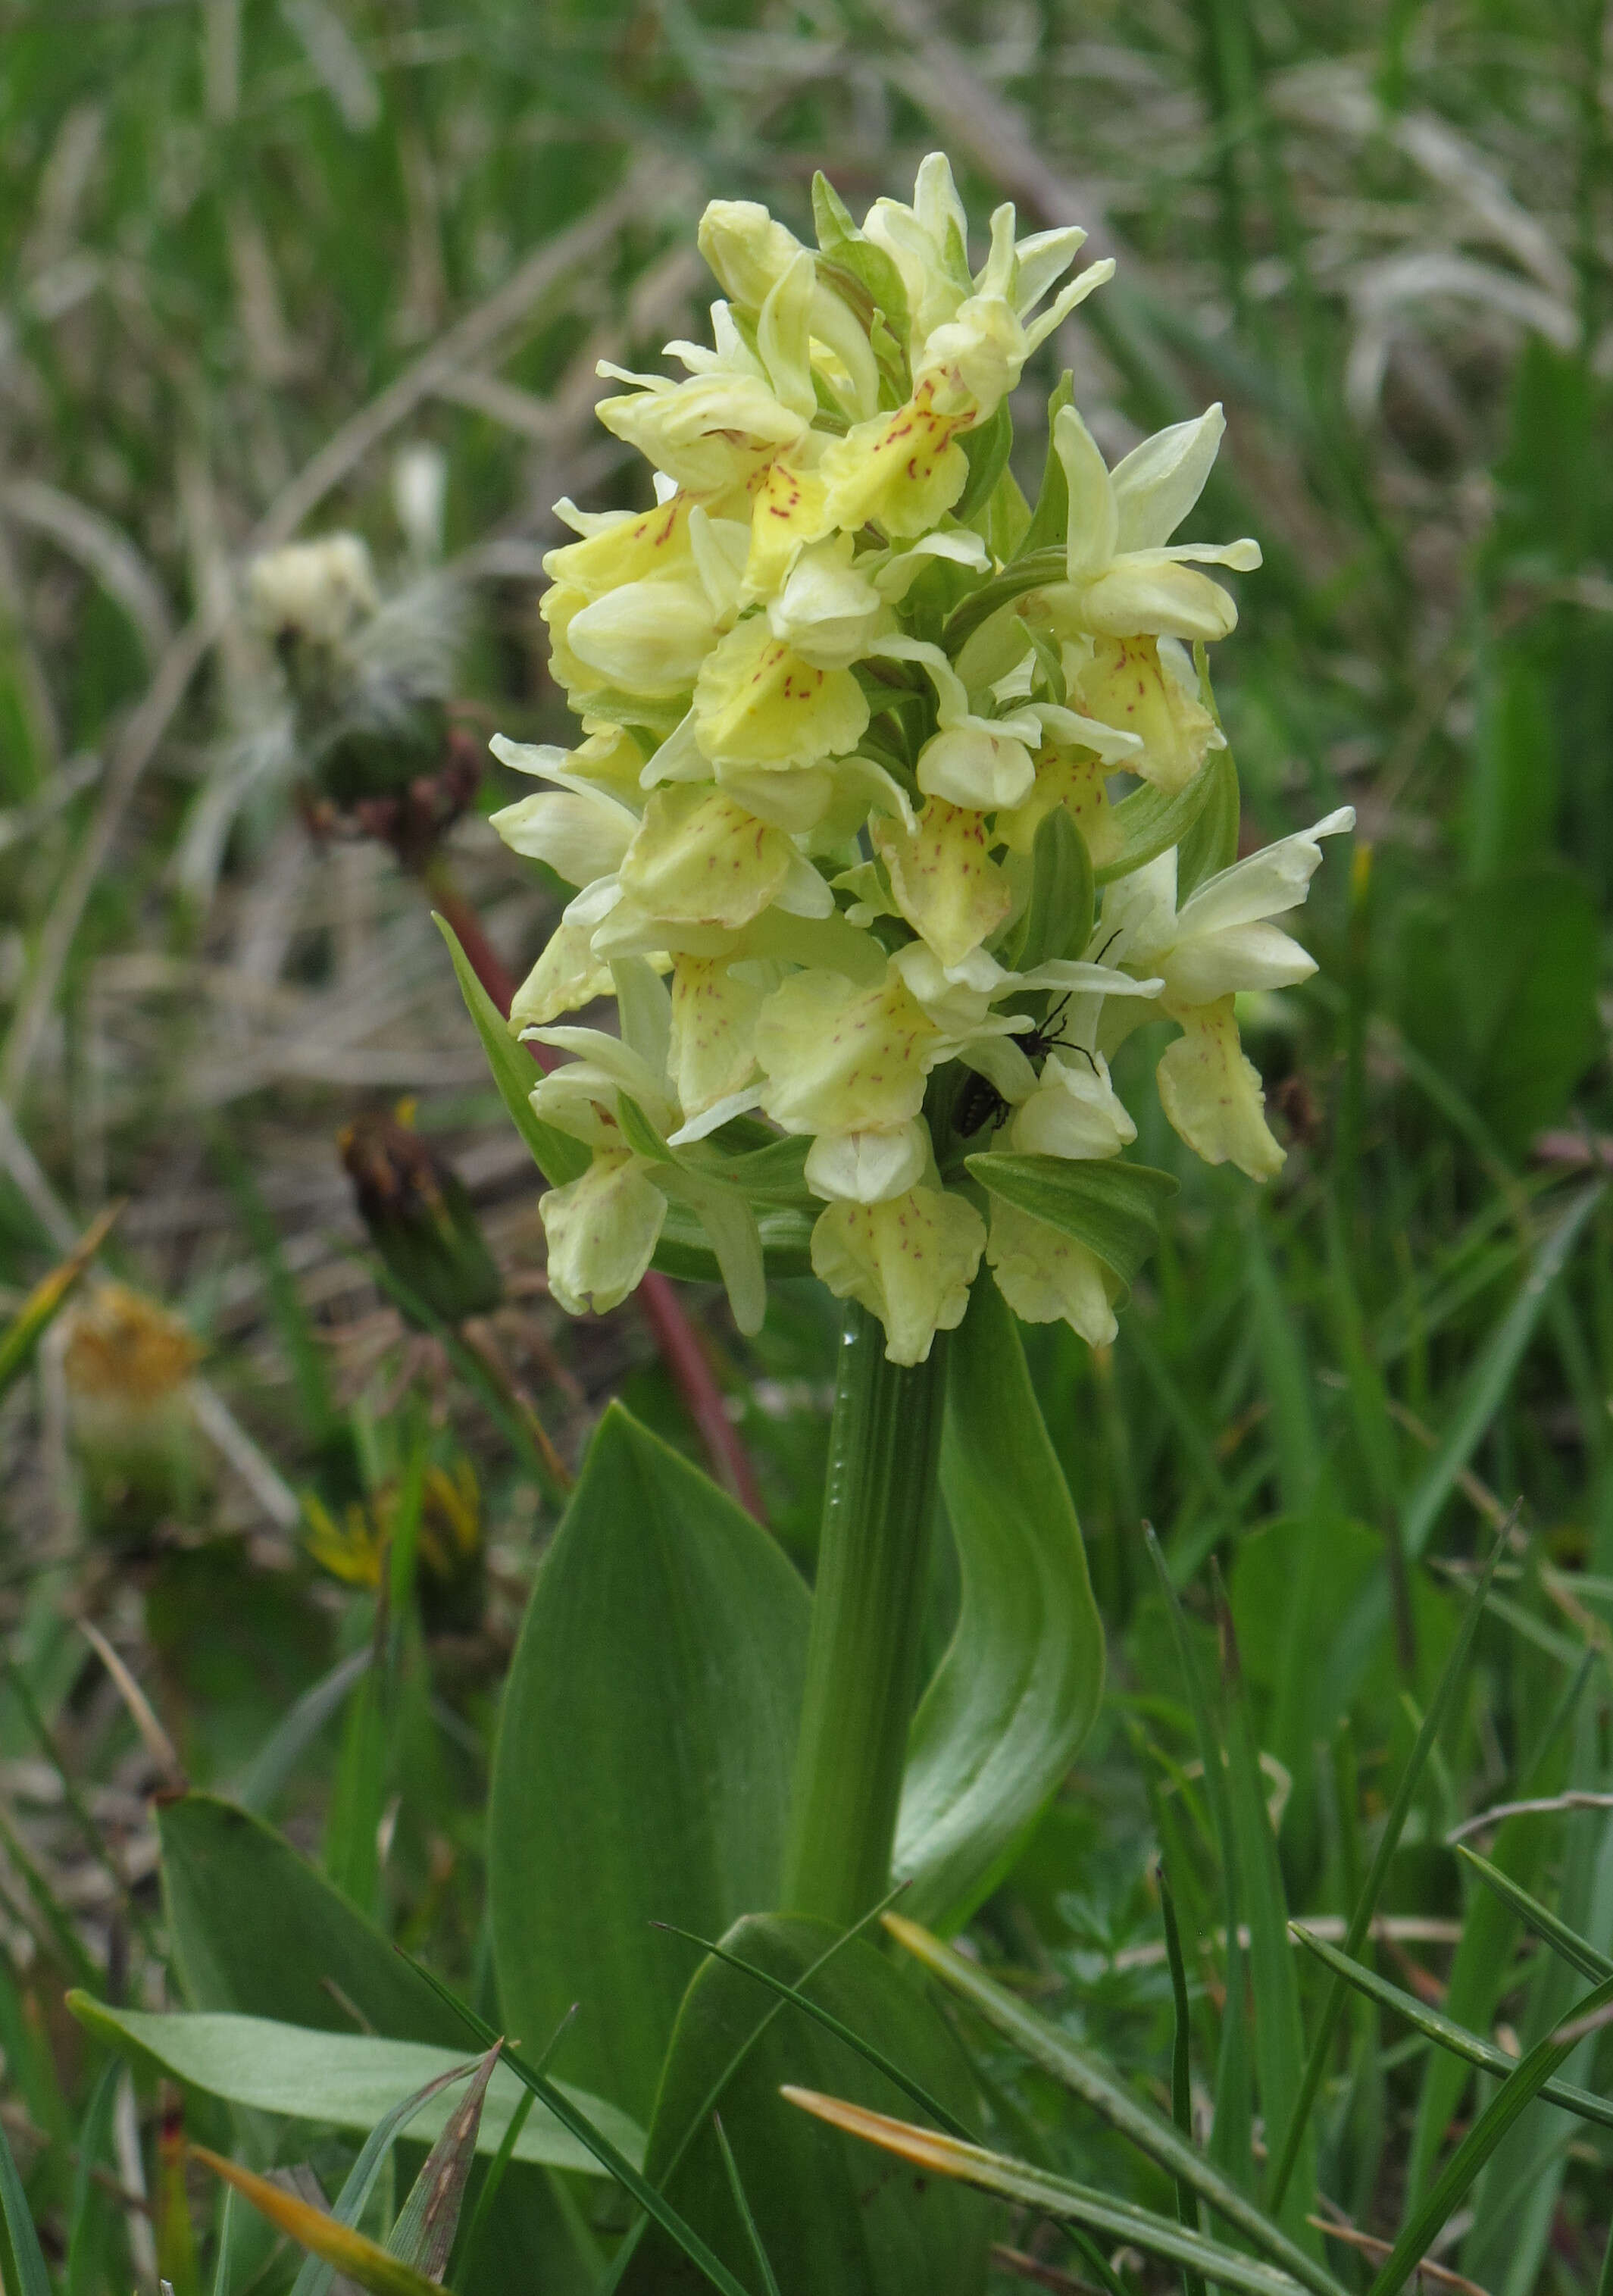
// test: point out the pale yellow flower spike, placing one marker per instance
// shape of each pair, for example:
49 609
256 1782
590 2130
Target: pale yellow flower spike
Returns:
807 825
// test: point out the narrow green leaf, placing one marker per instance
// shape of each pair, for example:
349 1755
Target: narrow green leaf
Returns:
48 1297
356 2256
1111 1207
987 446
84 2265
26 2252
316 2276
736 2187
423 2234
1487 1383
1578 1952
1019 1686
1081 2072
594 2140
1182 2087
1053 2196
1233 2102
1389 1842
557 1156
1279 2037
926 2100
276 1759
1050 519
1058 919
1445 2032
1517 2093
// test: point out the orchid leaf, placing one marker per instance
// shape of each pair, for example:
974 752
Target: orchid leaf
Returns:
1019 1686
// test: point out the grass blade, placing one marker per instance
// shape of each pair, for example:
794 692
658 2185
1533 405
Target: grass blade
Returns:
272 1764
1516 2094
610 2159
1048 2195
1149 2129
1367 1905
1446 2033
1279 2035
1575 1950
1230 2141
736 2187
423 2234
316 2274
1182 2092
32 2278
877 2058
29 1325
352 2253
1487 1383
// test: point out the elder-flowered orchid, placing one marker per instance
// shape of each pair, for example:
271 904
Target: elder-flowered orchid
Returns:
850 768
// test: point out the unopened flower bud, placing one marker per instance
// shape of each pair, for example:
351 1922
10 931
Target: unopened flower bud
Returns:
420 1219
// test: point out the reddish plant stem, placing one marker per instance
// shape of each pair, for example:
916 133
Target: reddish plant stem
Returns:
674 1335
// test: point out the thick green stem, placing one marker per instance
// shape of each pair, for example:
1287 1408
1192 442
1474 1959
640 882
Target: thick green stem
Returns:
863 1656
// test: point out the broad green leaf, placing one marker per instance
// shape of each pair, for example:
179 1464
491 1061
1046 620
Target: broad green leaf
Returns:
987 446
354 2255
1058 919
644 1754
349 2080
556 1154
1111 1207
1032 571
825 2222
1149 820
258 1930
1456 2039
1210 841
1084 2074
48 1297
1051 2196
1019 1686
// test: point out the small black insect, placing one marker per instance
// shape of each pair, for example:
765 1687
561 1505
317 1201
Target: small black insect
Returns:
981 1103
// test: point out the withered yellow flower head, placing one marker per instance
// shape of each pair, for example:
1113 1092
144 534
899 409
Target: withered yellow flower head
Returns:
851 842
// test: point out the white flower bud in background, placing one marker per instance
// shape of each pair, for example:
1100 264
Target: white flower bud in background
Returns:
420 497
318 590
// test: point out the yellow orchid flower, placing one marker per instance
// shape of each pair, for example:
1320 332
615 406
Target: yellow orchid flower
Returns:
909 1261
759 702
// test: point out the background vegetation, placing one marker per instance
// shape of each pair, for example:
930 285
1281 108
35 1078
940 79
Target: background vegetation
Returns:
255 257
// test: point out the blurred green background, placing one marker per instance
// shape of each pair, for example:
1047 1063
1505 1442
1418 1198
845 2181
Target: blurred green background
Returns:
272 268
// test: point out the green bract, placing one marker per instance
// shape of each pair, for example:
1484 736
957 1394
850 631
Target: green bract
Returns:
852 716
